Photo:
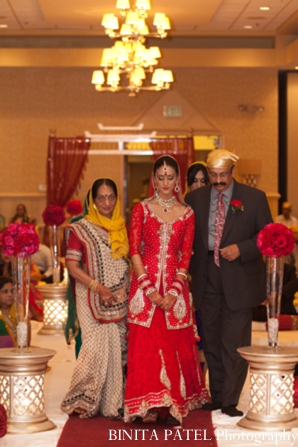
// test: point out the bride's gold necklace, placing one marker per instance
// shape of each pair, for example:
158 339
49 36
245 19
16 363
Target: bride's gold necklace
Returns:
166 204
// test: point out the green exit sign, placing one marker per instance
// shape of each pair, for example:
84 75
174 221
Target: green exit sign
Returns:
172 111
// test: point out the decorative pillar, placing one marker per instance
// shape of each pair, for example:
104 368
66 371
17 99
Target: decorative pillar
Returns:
271 406
22 389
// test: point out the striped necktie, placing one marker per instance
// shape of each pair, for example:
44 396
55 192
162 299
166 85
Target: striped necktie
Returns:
219 226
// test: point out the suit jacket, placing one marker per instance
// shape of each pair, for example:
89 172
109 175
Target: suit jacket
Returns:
244 279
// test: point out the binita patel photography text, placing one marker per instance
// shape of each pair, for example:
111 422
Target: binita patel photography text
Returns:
188 434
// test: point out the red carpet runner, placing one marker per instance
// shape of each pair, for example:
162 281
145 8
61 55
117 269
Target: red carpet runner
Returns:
102 432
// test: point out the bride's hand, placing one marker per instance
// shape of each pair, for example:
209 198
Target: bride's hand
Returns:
168 301
155 298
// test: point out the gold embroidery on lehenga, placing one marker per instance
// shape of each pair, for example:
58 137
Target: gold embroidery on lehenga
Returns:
137 303
182 381
163 372
179 308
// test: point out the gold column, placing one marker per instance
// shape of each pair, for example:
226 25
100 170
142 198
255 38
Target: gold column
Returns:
22 389
271 406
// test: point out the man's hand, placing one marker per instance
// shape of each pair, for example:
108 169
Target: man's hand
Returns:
230 253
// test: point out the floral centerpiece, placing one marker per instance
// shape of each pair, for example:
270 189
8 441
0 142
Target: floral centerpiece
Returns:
74 207
274 241
54 216
20 240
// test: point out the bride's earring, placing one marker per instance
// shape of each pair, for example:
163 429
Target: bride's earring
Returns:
177 189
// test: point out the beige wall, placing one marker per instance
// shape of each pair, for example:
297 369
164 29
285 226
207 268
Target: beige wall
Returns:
292 165
34 100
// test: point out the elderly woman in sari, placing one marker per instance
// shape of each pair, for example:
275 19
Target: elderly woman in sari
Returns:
97 247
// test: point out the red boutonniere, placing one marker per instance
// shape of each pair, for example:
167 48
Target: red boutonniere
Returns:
237 205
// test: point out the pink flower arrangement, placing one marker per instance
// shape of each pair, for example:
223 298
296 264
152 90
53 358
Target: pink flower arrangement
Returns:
74 207
53 215
275 240
20 240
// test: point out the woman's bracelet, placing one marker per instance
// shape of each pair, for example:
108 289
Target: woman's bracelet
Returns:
182 274
145 284
141 276
176 287
173 292
93 285
150 290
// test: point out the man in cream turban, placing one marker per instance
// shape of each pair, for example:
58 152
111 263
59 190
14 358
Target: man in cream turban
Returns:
228 274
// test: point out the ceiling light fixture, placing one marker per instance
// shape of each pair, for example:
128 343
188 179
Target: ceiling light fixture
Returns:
129 56
265 8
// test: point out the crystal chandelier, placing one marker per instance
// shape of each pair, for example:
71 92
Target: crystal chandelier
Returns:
129 56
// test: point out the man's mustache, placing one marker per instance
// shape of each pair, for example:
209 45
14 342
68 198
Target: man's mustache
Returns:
219 184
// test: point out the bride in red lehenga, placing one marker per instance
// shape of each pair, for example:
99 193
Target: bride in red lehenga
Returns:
164 378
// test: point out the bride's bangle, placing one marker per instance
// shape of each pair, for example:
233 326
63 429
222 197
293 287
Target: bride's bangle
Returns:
182 274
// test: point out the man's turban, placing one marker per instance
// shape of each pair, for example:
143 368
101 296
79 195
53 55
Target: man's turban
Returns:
221 158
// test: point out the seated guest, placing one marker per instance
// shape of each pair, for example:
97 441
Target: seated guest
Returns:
7 314
285 218
290 287
35 297
8 317
5 264
21 215
43 260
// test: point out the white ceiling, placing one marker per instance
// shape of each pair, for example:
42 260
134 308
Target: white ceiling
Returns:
205 33
188 17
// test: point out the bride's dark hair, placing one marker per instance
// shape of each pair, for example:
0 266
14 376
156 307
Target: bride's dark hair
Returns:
168 160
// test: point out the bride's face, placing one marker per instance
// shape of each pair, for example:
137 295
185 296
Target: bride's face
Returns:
165 180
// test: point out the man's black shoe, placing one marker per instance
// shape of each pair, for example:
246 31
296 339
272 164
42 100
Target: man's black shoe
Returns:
212 406
232 411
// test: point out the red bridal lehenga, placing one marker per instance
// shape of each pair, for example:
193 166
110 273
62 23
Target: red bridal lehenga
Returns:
163 369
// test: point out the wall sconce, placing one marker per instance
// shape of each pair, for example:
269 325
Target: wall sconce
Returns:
249 170
250 108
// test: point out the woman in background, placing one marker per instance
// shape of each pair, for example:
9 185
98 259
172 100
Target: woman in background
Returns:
21 215
8 334
196 176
